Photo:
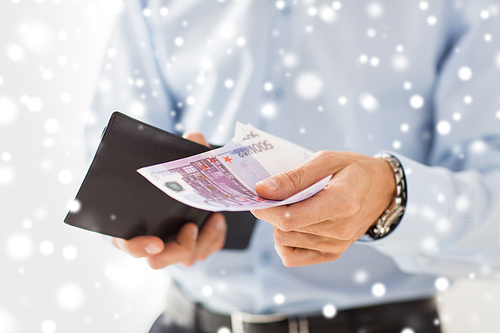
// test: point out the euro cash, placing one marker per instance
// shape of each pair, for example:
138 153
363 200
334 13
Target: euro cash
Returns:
224 179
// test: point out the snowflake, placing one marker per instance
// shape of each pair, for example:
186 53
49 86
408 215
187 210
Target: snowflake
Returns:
6 156
360 276
65 176
8 110
407 330
280 4
74 206
327 14
485 14
400 62
207 291
179 41
375 10
27 224
70 296
431 20
368 102
7 175
416 101
226 30
15 53
363 58
48 326
443 127
240 41
309 85
268 110
465 73
329 311
19 246
51 125
46 247
268 86
229 83
374 61
69 253
279 299
312 11
378 289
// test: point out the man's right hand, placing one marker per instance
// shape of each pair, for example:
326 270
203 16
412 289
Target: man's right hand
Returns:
190 245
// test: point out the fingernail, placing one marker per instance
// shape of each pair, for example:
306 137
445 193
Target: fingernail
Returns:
220 224
270 184
194 233
152 248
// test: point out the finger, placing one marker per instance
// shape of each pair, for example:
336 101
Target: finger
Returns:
212 237
294 257
179 250
287 183
335 202
196 137
141 246
310 242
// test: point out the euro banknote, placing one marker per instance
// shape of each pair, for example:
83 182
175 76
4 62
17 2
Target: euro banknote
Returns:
224 179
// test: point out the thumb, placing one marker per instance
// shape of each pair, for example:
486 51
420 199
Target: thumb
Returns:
290 182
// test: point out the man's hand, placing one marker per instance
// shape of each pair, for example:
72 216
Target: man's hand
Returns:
190 245
322 227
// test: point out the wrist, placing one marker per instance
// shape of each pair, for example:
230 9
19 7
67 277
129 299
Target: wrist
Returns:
396 191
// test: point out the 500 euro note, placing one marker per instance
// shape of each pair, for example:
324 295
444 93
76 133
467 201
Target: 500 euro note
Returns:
224 179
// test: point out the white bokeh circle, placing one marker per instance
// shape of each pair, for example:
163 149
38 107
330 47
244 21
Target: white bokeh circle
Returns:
70 296
308 85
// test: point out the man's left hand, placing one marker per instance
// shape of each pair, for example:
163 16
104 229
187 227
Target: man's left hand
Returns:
322 227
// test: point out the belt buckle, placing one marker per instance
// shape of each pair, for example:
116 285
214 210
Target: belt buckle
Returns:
239 318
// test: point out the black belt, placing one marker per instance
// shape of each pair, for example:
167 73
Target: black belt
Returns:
417 315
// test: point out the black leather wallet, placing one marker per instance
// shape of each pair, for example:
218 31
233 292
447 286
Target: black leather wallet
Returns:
115 200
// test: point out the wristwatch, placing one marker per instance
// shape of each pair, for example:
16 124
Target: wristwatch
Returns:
393 214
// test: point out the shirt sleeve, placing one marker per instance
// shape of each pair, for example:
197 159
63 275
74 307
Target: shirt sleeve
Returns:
130 79
451 225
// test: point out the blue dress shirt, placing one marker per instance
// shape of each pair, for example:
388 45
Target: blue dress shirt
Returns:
420 79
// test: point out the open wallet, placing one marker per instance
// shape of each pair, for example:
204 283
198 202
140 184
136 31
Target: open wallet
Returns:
115 200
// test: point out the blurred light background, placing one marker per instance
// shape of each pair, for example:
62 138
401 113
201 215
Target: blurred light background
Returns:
55 278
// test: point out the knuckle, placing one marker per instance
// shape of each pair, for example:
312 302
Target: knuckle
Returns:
331 256
257 214
278 237
155 263
287 261
294 176
190 262
287 257
345 232
349 205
